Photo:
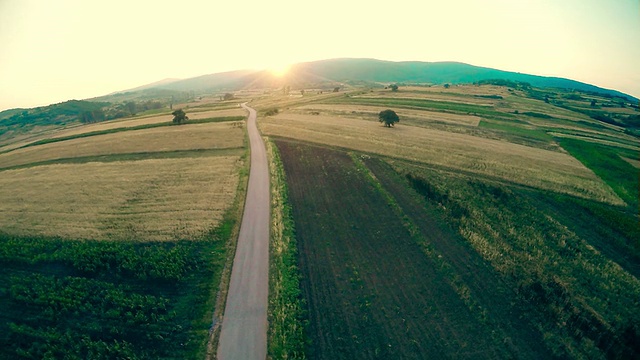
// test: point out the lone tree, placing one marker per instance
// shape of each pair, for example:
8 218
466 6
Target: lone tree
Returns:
388 117
179 116
394 87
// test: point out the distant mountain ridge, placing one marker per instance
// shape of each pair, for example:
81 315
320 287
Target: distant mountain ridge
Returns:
163 82
374 71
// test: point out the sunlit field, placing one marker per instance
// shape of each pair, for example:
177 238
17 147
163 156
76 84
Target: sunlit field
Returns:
155 199
525 212
130 221
446 139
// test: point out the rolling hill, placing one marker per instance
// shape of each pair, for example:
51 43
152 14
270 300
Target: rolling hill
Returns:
374 71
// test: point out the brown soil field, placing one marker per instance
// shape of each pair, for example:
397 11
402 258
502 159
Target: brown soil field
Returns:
371 112
187 137
512 162
156 199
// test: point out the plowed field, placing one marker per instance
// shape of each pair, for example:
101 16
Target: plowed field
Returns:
371 291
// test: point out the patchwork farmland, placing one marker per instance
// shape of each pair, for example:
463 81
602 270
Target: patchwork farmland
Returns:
383 275
370 290
114 236
470 230
491 222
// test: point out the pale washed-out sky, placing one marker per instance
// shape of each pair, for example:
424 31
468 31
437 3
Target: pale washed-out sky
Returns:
56 50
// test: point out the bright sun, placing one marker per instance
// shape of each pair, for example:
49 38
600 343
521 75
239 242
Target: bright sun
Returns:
279 70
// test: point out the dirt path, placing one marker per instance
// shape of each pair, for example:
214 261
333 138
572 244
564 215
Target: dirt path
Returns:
244 326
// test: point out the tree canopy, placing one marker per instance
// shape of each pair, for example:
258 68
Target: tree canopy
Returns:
179 116
388 117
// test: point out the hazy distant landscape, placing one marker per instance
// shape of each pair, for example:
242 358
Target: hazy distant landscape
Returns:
497 219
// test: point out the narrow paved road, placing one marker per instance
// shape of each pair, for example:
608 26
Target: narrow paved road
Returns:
244 326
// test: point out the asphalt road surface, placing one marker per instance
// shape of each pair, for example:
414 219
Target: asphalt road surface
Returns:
243 335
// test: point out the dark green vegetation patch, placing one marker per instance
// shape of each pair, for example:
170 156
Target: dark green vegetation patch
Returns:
608 164
107 300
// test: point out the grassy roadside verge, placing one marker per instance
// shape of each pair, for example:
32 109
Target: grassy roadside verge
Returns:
286 334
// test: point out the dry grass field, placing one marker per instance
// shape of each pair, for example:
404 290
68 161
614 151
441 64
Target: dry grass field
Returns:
114 124
449 97
99 193
512 162
540 199
368 112
139 219
146 120
225 135
155 199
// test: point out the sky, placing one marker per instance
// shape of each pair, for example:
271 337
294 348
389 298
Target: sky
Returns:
56 50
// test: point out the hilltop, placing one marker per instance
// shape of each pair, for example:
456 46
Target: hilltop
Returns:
372 72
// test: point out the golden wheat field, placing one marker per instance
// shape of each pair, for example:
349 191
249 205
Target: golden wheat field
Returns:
520 164
146 120
468 99
155 199
115 124
223 135
371 112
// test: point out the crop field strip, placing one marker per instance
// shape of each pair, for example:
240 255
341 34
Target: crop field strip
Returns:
371 292
121 129
102 299
443 97
222 135
117 247
134 157
533 238
482 288
558 295
520 164
371 113
557 274
286 336
421 103
134 123
155 199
